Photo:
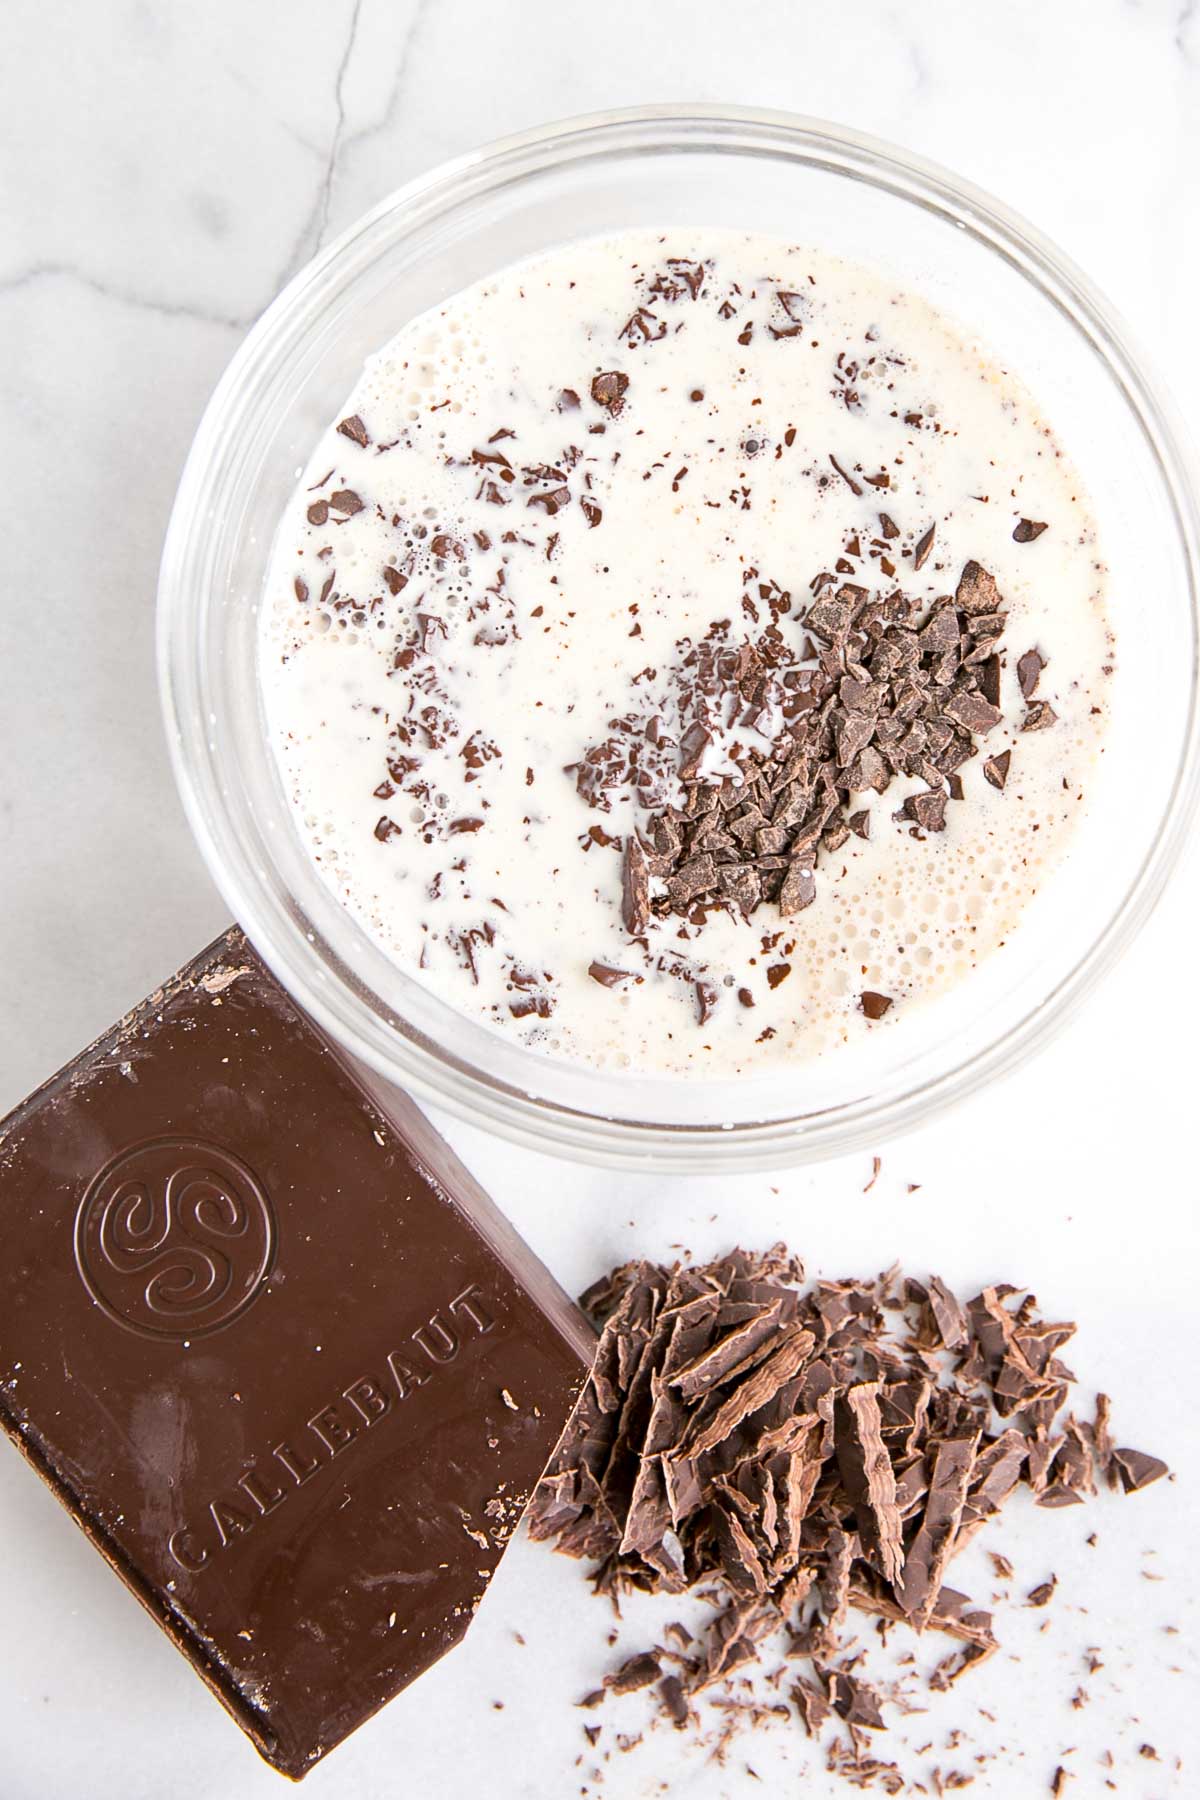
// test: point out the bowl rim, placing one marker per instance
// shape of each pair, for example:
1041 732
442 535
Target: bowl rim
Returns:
446 1080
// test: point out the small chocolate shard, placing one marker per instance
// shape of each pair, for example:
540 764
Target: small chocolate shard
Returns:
812 1706
854 1699
948 1314
977 591
923 546
1039 716
926 810
1134 1470
1026 530
868 1478
933 1546
639 1671
1043 1593
1029 670
635 902
609 390
706 999
799 888
354 429
609 977
874 1005
995 769
759 1386
674 1701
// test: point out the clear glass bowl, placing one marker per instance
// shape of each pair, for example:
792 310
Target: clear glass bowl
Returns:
680 166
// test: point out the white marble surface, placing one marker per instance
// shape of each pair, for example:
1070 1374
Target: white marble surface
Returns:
165 168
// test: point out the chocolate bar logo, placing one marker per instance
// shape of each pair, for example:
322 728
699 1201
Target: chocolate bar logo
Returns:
174 1238
338 1426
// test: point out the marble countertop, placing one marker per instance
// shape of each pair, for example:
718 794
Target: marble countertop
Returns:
166 168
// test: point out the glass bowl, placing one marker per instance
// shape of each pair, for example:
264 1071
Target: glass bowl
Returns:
669 167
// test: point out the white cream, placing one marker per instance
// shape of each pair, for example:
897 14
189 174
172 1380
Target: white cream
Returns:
717 463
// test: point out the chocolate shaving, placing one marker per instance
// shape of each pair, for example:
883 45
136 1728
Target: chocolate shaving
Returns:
933 1545
868 1477
635 902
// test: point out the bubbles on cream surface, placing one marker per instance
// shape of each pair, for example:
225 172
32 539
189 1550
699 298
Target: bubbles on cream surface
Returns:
537 498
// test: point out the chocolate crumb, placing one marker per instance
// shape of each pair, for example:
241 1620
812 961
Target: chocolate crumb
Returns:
874 1005
1026 530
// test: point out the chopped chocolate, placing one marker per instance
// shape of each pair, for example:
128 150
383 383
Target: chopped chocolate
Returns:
1029 669
609 977
874 1005
639 1672
928 810
674 1700
948 1315
635 905
812 1705
1026 530
934 1543
854 1699
868 1478
923 546
1135 1470
996 768
1038 716
354 429
798 1454
609 391
884 688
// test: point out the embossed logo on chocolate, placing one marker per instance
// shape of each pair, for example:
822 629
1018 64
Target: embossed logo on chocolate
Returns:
174 1238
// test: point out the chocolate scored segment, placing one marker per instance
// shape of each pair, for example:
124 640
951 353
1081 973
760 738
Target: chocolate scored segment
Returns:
274 1350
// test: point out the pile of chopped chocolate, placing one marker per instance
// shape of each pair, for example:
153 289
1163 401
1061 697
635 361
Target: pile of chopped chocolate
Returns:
802 1454
881 686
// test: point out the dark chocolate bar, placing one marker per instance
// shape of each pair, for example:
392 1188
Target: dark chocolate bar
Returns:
274 1349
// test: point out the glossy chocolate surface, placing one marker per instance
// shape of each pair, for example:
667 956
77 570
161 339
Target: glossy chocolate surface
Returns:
274 1350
